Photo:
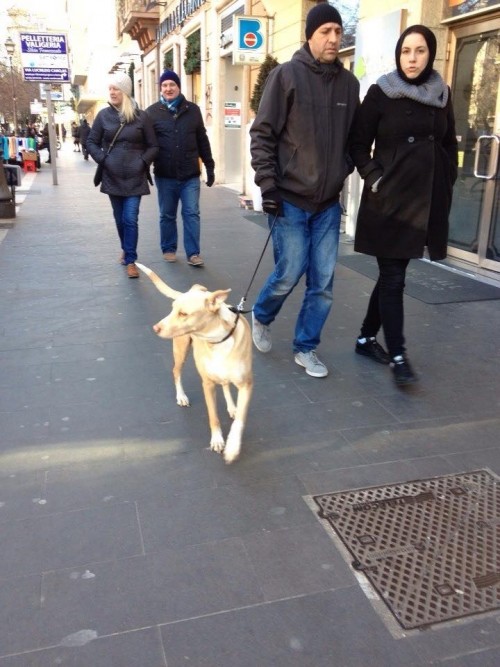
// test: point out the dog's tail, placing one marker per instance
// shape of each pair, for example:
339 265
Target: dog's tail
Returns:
158 282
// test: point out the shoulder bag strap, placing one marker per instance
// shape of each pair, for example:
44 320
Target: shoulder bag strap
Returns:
115 138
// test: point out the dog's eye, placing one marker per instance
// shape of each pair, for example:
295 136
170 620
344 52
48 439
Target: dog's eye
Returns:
181 314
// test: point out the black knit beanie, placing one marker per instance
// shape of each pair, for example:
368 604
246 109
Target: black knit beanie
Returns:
169 75
430 38
320 14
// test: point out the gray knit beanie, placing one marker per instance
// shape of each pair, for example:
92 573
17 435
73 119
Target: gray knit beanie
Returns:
121 81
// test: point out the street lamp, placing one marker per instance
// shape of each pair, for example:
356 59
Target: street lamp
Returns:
11 47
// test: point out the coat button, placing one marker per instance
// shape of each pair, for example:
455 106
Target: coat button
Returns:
431 137
411 140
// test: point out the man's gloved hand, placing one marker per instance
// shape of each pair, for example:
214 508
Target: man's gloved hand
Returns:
210 179
272 203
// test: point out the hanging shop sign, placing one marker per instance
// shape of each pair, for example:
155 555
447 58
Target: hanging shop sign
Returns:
44 57
250 40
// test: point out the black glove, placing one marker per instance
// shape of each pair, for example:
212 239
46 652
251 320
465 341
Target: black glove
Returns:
272 203
210 179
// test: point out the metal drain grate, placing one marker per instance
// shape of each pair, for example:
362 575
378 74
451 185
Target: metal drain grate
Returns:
430 548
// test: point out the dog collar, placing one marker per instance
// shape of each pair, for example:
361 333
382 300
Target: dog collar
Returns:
228 335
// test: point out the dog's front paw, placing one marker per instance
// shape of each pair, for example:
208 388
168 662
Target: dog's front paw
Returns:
183 400
233 444
217 441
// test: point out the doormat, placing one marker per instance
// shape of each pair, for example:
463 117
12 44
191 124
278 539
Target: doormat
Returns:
428 282
430 548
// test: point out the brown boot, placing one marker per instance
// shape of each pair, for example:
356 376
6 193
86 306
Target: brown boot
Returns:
132 271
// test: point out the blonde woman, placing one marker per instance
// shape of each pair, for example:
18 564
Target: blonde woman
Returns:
123 140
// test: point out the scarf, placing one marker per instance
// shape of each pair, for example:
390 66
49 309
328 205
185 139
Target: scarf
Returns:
433 93
173 105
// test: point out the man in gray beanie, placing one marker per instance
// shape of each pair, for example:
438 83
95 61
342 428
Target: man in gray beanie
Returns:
299 153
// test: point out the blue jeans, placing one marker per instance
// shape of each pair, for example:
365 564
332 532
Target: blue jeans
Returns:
170 191
126 214
385 308
303 243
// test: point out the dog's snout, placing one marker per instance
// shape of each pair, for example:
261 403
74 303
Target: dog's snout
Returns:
156 328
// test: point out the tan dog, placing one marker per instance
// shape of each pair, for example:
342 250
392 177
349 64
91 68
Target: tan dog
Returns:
222 347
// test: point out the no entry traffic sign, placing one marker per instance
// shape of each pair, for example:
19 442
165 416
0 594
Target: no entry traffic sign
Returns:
250 43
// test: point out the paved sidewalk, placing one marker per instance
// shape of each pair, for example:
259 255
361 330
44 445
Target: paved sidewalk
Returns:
124 542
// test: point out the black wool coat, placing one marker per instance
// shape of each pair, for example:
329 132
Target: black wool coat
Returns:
182 139
415 153
127 166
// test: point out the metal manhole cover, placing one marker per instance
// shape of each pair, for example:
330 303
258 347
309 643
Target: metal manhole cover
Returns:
430 548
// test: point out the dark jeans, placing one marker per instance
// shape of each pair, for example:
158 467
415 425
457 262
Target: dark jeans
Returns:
385 308
126 214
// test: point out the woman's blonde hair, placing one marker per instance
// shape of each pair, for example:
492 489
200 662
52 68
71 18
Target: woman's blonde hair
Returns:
127 108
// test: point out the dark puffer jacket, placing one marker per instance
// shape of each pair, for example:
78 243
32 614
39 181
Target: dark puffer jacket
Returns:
127 166
299 136
182 139
416 155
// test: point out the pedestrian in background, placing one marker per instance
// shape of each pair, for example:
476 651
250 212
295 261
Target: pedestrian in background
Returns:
75 133
84 135
126 166
408 182
299 153
45 143
183 141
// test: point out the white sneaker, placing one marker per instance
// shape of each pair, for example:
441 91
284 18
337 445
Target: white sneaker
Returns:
314 367
261 335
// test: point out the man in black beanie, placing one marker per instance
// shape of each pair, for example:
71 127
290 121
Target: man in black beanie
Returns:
299 153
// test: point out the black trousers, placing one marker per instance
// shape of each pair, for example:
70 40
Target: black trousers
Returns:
385 308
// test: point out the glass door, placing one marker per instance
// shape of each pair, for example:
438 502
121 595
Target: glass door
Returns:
475 215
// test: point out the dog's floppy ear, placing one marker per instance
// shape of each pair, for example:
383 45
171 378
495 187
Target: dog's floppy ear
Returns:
216 298
158 282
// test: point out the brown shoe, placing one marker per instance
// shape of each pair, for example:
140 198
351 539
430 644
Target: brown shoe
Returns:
121 260
195 260
132 271
169 257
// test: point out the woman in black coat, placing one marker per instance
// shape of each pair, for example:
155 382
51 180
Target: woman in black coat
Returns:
128 132
408 181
